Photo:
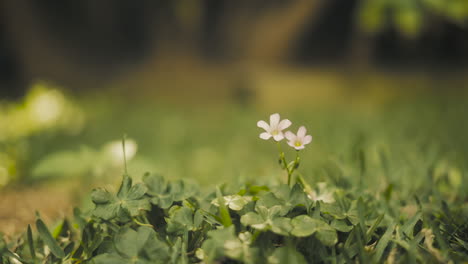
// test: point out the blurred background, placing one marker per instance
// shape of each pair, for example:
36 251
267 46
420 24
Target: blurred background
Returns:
377 82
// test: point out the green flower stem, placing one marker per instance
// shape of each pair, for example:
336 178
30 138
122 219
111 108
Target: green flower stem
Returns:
307 188
284 163
255 235
112 225
190 204
294 166
196 241
142 224
282 158
144 218
290 168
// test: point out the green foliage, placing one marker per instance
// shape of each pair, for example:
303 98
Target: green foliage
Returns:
276 225
66 163
128 202
48 239
379 186
44 110
410 17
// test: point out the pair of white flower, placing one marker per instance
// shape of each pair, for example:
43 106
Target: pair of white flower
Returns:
275 130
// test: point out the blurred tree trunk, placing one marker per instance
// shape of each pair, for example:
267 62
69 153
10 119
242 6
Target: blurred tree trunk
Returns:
266 33
270 37
13 79
361 48
32 43
361 51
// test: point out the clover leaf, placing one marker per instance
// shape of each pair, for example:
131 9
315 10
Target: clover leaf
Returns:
234 202
182 190
284 196
164 193
135 246
286 255
158 189
213 247
303 226
128 202
341 225
292 197
183 218
268 219
240 248
341 212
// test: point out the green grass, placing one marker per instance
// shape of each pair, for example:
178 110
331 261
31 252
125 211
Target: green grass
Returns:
398 170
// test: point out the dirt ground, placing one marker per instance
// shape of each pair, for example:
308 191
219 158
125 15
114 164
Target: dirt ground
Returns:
18 206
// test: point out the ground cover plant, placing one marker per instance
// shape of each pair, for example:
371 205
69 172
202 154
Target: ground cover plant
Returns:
290 220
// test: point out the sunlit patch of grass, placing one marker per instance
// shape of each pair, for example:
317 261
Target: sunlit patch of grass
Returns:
378 182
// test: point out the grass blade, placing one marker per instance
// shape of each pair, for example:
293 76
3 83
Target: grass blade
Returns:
408 227
48 239
223 211
383 243
31 242
371 230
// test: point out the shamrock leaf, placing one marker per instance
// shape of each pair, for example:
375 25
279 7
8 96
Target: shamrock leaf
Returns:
182 190
183 218
128 202
165 193
340 212
92 237
239 248
268 219
135 246
158 189
286 255
304 225
213 247
284 196
341 225
234 202
269 200
291 197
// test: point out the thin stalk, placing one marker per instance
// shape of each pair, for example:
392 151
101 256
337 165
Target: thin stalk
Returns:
124 154
255 236
307 188
294 166
290 168
142 224
284 163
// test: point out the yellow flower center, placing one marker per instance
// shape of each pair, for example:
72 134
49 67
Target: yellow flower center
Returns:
274 132
297 144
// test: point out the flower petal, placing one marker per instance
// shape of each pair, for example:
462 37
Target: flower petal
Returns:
307 139
274 120
299 147
283 124
290 135
263 124
291 143
278 137
265 136
301 132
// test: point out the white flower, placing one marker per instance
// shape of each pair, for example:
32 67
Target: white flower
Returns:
234 202
114 150
47 106
275 128
324 194
300 140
